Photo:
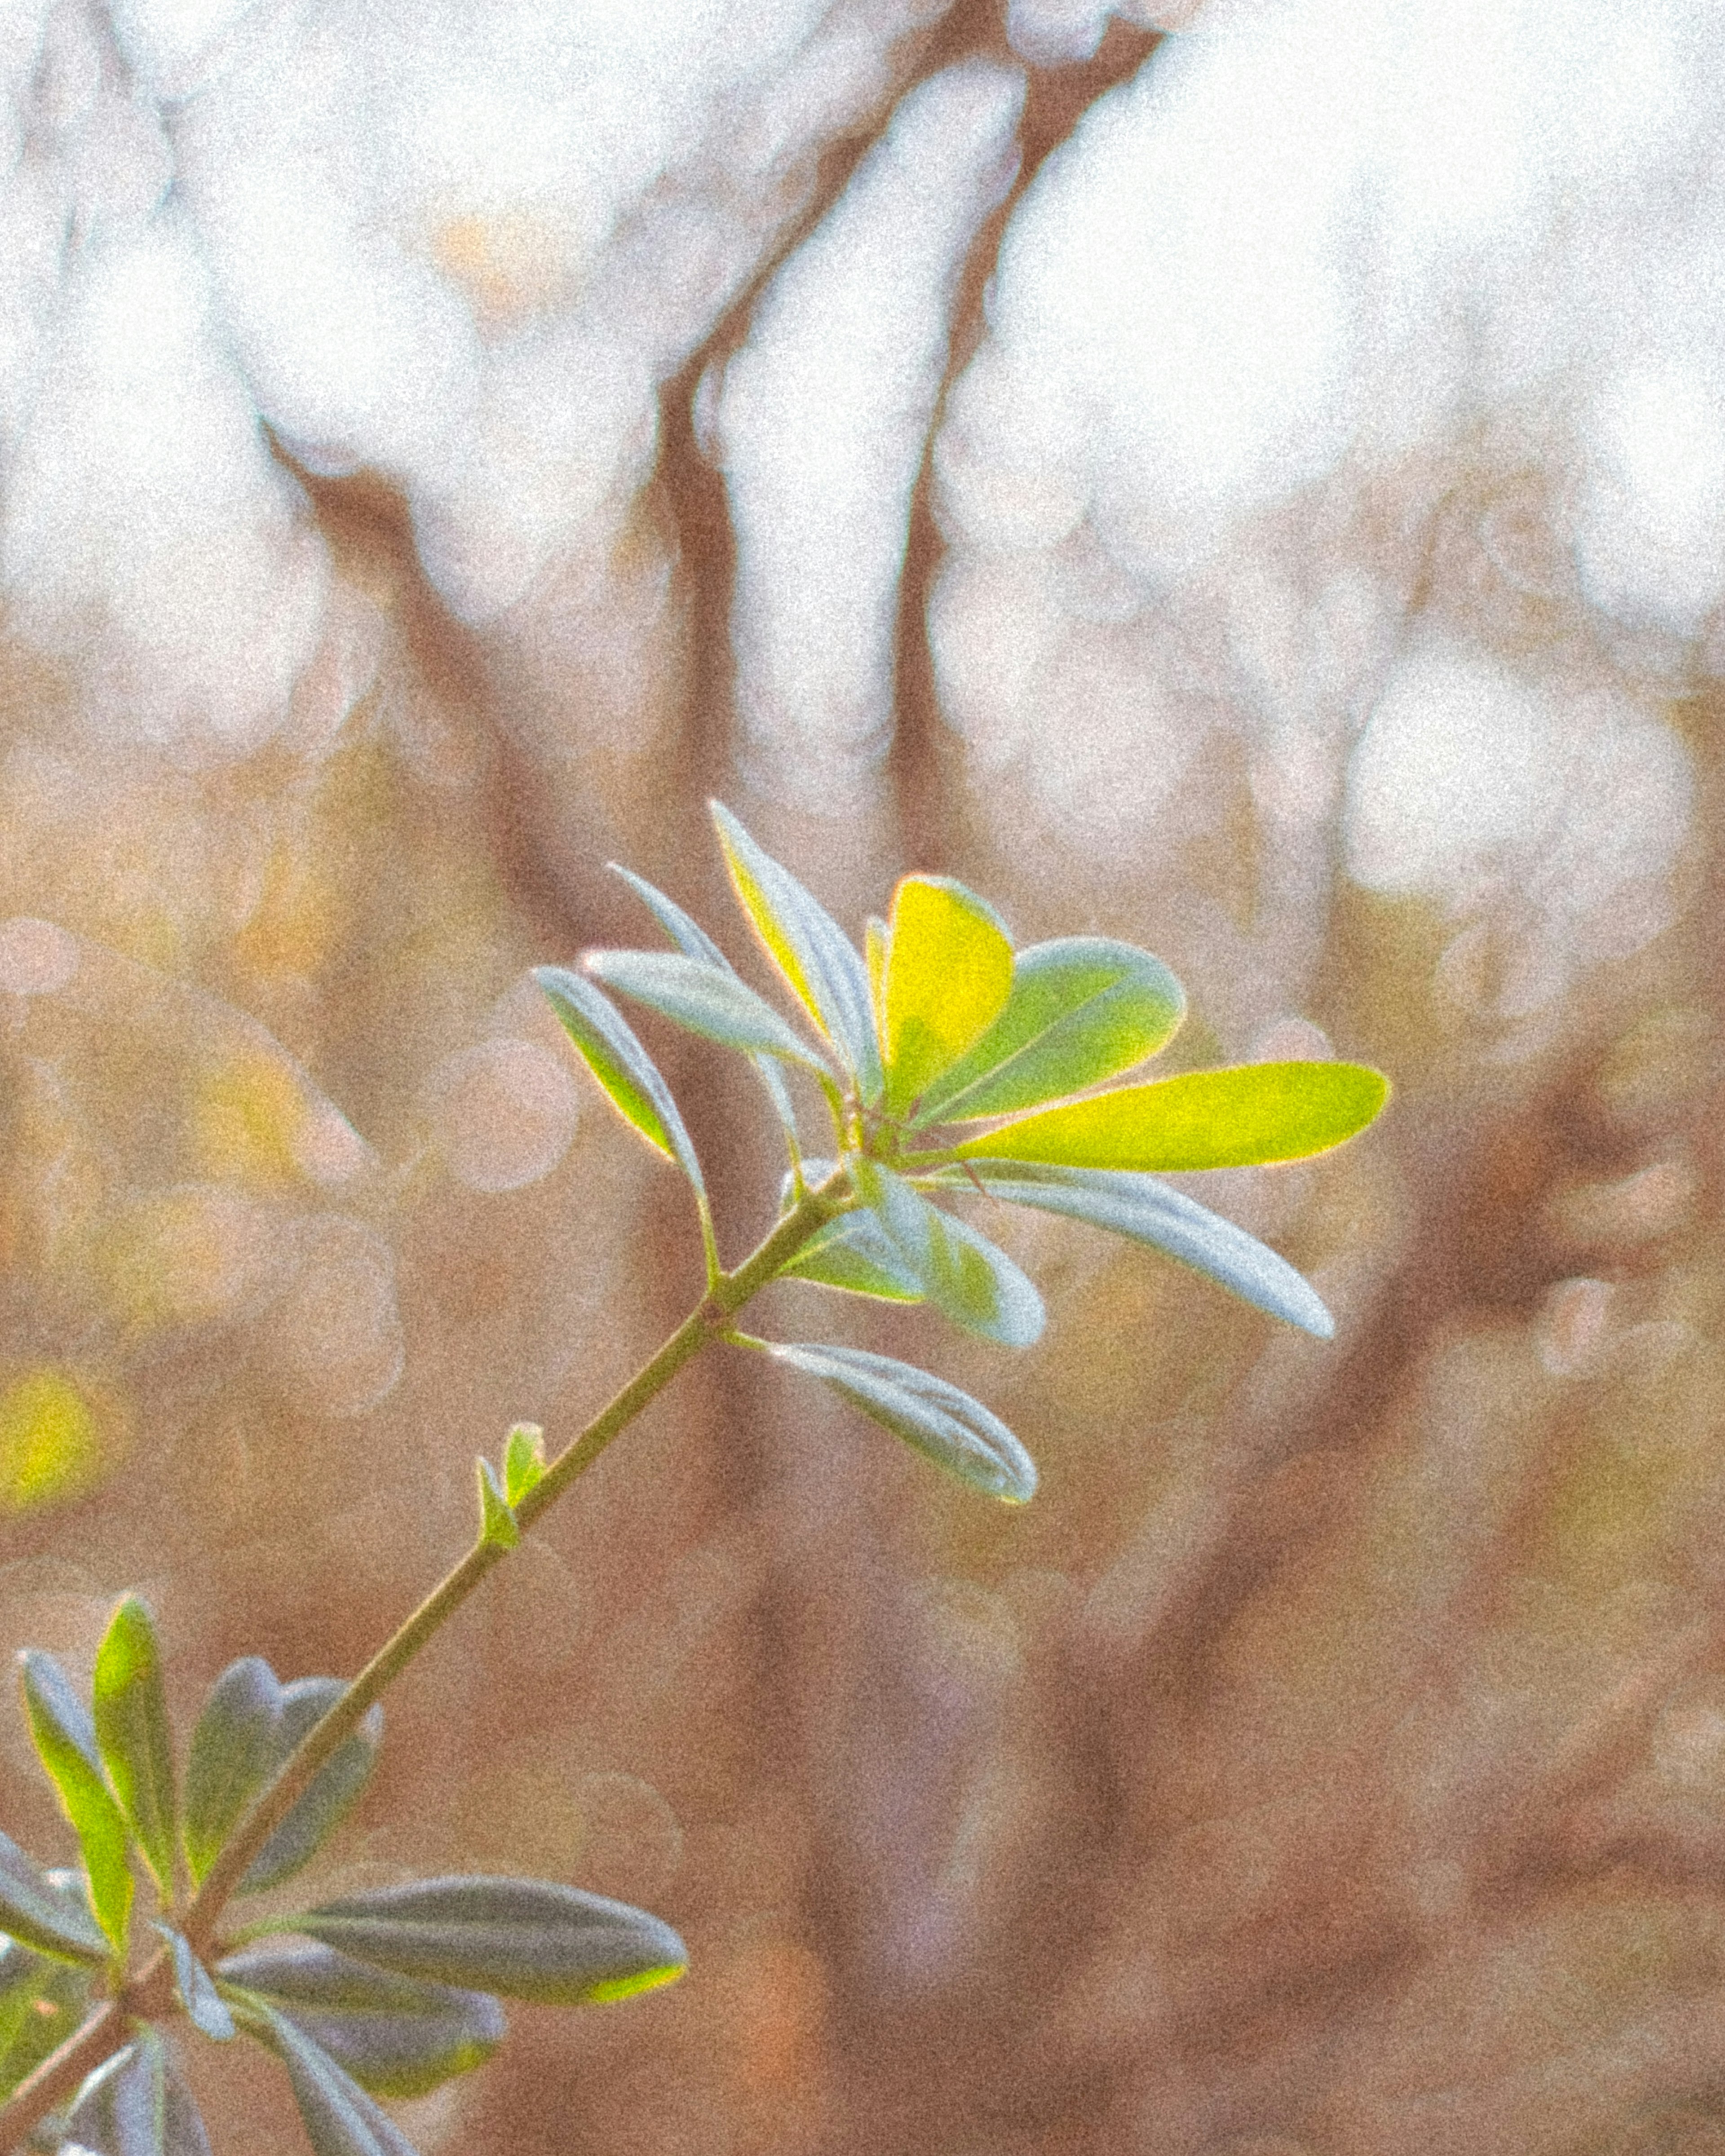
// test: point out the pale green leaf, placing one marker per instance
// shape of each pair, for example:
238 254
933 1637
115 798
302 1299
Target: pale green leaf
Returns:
65 1739
1146 1211
945 1425
947 976
527 1938
1082 1009
853 1253
32 1912
396 2036
703 998
339 2117
236 1748
1238 1117
693 941
130 1711
823 969
203 2005
958 1269
626 1074
41 2002
335 1789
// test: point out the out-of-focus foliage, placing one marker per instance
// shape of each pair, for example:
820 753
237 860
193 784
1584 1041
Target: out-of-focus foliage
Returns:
1309 565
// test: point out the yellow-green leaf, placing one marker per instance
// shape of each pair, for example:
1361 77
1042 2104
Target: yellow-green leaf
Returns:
1237 1117
628 1075
65 1740
947 975
131 1717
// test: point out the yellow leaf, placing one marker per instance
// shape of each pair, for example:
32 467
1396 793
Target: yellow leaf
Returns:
949 974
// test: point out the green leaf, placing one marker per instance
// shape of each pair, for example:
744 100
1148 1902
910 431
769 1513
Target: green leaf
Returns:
250 1723
33 1913
692 940
947 974
198 1995
395 2036
1146 1211
132 1733
704 999
523 1462
497 1521
959 1271
527 1938
66 1741
626 1073
1082 1009
945 1425
1233 1118
335 1790
42 2001
339 2117
853 1253
235 1748
135 2104
823 969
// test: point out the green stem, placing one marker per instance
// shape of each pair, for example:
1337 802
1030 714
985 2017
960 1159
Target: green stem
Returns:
150 1992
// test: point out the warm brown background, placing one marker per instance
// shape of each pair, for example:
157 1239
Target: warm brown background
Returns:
1332 1760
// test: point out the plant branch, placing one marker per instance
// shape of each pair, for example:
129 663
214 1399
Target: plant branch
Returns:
106 2031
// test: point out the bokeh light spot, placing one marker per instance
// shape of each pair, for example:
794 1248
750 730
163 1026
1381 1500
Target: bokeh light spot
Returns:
51 1446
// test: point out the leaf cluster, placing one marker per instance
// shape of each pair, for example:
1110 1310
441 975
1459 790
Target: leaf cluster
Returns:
378 1994
950 1063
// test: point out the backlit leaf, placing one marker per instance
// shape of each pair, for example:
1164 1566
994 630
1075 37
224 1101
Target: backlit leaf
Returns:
396 2035
33 1914
130 1711
627 1075
945 1425
339 2117
334 1791
823 969
1147 1211
947 974
497 1520
703 998
959 1271
527 1938
66 1741
42 2001
1082 1009
693 941
1239 1117
523 1461
853 1253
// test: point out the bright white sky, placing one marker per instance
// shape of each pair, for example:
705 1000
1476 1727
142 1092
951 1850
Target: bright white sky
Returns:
1316 246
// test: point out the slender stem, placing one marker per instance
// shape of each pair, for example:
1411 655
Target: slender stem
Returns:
151 1991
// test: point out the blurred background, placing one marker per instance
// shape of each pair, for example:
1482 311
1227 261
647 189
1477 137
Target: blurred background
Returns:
1249 479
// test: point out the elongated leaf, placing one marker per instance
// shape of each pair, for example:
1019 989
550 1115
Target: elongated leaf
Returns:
1082 1009
396 2036
66 1741
135 2104
1147 1211
523 1462
948 973
235 1748
198 1993
945 1425
339 2117
131 1727
824 970
333 1792
33 1914
959 1271
703 998
626 1073
692 940
853 1253
1234 1118
527 1938
250 1723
